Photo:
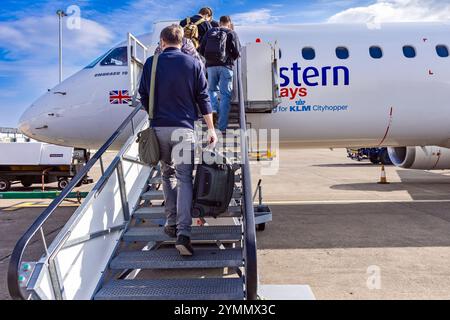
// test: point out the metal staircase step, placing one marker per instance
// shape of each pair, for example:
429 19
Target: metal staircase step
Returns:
237 194
203 233
171 259
157 212
151 213
173 289
153 195
155 180
228 145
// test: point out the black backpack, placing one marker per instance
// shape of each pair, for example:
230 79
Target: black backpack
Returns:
216 46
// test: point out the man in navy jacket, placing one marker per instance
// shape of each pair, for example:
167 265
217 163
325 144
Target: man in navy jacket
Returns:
180 86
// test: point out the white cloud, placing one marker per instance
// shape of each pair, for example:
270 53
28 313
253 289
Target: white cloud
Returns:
29 43
40 34
396 11
138 16
9 34
254 17
30 46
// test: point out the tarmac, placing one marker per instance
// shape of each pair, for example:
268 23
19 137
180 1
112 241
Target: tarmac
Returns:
334 228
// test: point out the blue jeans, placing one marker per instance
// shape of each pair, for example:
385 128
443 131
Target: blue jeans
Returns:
177 165
220 81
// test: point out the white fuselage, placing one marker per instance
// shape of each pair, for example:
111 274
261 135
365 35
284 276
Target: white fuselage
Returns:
392 101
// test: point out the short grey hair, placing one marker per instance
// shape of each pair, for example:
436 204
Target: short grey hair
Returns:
173 35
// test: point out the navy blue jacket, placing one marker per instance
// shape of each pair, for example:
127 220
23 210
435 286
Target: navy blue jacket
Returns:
181 86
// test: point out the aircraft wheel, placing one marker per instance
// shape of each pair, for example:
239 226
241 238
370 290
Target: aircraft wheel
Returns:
261 227
384 157
26 183
79 184
5 184
374 159
63 183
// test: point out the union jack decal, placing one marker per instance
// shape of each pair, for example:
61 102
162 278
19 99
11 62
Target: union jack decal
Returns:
119 97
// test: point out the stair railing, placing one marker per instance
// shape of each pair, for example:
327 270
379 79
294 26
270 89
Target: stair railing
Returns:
250 248
15 263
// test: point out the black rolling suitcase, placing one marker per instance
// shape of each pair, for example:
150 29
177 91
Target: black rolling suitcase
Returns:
213 186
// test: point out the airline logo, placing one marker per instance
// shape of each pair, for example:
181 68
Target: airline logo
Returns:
302 107
297 82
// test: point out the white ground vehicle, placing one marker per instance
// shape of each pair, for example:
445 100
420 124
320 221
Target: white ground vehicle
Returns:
29 163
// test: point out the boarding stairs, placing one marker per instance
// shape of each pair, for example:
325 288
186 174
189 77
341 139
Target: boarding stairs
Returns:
215 271
114 247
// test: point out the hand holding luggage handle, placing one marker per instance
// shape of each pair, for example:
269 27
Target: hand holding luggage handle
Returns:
215 155
211 143
212 149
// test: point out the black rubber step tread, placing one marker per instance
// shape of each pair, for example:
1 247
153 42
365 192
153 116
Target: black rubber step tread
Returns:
154 213
203 233
170 258
173 289
156 180
153 195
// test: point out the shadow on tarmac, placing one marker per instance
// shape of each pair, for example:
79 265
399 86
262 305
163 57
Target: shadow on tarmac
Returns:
420 185
358 225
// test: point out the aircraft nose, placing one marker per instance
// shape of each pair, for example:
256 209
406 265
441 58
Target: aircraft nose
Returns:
25 123
31 121
24 128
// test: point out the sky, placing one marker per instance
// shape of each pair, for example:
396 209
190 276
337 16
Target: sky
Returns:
29 31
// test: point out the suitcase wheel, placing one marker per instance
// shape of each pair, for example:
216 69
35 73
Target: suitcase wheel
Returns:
196 213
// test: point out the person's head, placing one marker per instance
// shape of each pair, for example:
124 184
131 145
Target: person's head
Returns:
172 36
225 22
206 13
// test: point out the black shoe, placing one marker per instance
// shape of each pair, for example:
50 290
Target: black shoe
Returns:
171 231
184 246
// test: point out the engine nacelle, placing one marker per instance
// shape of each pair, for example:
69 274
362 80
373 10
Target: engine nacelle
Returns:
422 158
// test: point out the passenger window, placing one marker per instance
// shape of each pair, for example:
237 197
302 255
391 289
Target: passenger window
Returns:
409 51
342 53
308 53
117 57
376 52
442 51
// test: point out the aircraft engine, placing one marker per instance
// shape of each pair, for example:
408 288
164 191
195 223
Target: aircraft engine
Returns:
422 158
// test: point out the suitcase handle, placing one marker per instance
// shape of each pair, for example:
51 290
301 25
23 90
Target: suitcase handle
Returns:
215 154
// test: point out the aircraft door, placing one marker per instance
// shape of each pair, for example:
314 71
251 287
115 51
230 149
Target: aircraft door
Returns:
260 76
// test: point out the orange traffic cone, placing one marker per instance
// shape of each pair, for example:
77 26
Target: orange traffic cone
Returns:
383 179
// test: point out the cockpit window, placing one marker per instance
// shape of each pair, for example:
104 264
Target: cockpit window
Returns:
94 63
117 57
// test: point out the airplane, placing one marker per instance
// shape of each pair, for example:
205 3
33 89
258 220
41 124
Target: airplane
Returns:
339 85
